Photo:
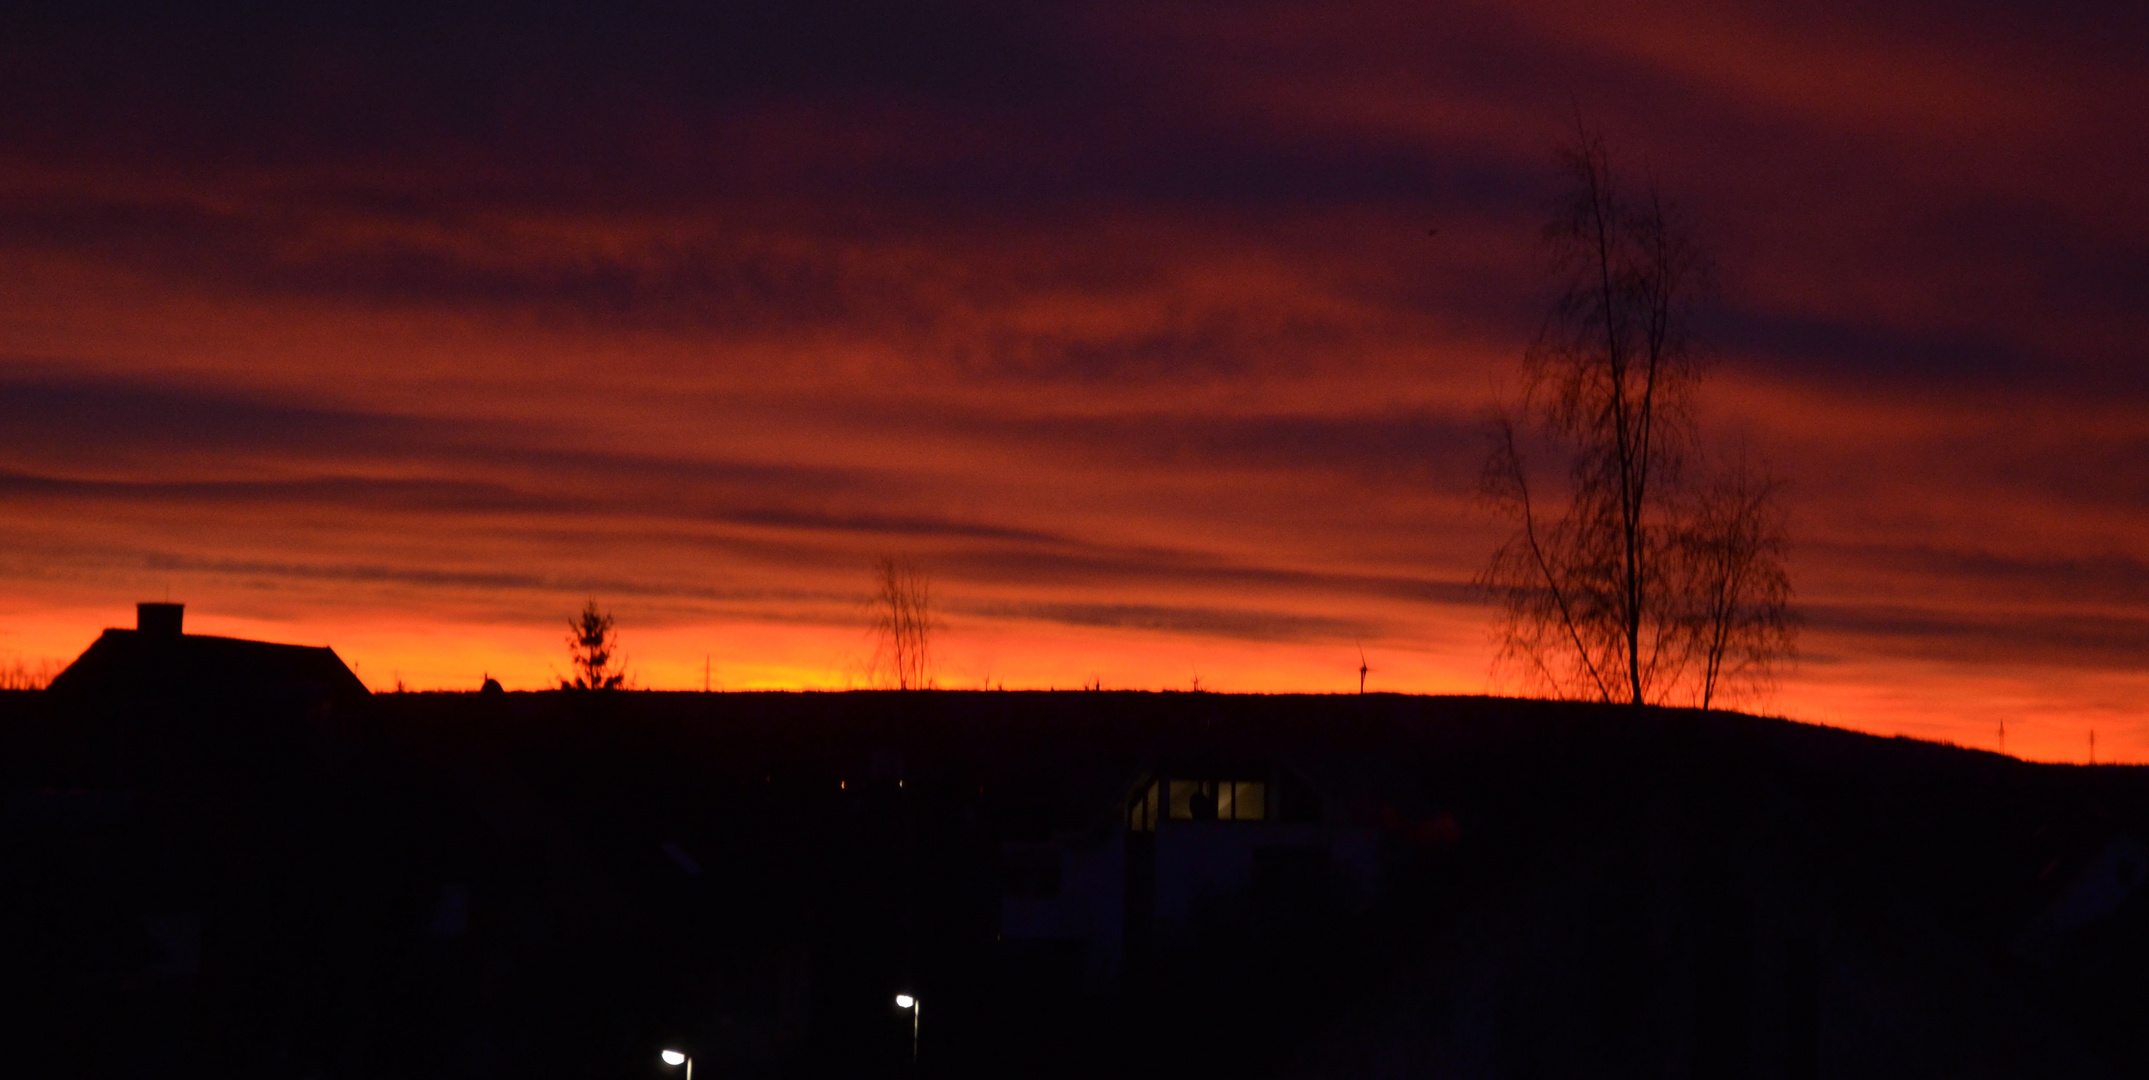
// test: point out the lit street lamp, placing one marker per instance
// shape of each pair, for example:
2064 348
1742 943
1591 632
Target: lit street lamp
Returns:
676 1058
905 1001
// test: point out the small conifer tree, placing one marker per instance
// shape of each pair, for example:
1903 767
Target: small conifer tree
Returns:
593 649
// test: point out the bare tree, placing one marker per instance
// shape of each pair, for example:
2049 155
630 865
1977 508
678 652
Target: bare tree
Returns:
19 674
1597 601
1732 553
902 607
593 649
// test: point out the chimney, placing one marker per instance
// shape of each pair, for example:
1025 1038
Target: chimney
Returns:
160 619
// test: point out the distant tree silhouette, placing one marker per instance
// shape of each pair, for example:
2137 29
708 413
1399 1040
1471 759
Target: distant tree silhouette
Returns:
902 607
593 647
1646 588
19 674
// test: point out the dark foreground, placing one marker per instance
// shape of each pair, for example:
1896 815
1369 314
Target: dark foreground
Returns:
563 884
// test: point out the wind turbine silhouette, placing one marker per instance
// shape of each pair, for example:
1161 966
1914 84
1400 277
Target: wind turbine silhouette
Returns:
1362 668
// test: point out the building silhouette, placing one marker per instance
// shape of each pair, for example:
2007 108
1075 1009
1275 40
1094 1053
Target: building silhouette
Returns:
158 665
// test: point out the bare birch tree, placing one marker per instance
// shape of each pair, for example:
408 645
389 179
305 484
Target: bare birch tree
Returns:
1596 596
902 608
1738 592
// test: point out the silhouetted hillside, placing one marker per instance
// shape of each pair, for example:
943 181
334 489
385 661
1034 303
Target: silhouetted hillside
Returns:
1074 883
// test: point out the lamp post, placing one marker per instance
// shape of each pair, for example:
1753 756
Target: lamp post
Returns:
905 1001
676 1058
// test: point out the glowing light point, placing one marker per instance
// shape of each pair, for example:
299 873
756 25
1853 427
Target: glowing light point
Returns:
673 1057
904 1001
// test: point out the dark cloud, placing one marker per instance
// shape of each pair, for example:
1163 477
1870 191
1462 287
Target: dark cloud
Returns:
1411 449
350 492
477 581
1213 622
451 497
1838 352
1158 568
2108 580
346 78
86 421
77 418
2082 641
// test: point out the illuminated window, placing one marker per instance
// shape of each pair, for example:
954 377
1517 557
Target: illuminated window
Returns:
1200 800
1142 810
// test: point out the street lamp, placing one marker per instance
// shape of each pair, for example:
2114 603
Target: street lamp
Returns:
676 1058
905 1001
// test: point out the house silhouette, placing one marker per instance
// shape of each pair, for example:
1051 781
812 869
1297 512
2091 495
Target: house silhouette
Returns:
1193 840
158 662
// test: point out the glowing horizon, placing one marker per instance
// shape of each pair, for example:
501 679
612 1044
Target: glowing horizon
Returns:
981 656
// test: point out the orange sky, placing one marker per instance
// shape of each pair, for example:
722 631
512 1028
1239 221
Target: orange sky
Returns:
407 332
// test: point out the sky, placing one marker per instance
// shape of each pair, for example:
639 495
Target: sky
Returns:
1162 336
